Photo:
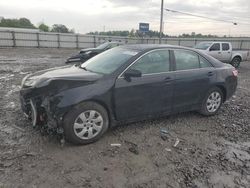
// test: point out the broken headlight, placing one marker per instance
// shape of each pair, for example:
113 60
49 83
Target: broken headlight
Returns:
23 83
29 83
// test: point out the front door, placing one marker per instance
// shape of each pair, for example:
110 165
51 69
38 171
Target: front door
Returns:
150 94
215 51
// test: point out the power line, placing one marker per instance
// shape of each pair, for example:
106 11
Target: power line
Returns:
205 17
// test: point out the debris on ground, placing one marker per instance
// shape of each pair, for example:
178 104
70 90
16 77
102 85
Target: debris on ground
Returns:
177 141
168 149
164 134
115 145
164 131
134 150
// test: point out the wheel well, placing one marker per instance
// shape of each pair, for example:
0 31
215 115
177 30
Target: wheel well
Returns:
101 104
94 101
224 92
237 56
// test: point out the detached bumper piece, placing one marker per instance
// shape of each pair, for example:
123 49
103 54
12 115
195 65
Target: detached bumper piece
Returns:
33 113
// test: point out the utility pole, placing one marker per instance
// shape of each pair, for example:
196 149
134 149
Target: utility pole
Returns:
161 23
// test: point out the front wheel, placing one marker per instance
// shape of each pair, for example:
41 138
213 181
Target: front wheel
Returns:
236 62
212 102
85 123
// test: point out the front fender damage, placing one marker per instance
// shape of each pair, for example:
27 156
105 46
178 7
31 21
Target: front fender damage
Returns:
41 105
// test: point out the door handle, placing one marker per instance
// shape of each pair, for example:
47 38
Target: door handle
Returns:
210 73
167 79
228 52
219 52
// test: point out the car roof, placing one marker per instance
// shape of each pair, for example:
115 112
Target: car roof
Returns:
214 42
148 47
143 47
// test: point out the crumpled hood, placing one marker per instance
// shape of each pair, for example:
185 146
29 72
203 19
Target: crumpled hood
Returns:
41 78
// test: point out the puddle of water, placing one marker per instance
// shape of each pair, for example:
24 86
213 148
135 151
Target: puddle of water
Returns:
238 152
239 155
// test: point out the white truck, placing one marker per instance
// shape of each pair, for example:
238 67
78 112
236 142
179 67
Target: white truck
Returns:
223 52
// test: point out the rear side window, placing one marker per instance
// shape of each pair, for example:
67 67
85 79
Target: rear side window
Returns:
153 62
186 60
204 63
225 46
215 47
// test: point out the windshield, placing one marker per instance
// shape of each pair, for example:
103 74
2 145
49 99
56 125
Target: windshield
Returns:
102 46
203 45
109 61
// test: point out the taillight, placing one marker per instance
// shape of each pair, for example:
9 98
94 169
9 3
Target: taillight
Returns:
235 72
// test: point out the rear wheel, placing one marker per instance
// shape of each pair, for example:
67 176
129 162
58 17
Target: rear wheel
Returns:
212 102
85 123
236 62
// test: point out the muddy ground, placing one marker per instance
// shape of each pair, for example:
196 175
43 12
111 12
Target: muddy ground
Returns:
212 152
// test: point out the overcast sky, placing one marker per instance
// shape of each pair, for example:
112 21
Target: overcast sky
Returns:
92 15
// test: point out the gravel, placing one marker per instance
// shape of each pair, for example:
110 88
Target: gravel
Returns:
211 151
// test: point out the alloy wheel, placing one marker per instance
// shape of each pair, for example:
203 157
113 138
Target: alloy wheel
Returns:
213 102
88 124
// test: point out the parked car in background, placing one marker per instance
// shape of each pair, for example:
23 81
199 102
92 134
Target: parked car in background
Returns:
223 52
87 53
125 84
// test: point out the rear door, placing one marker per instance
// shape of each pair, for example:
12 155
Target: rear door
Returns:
226 52
193 77
150 94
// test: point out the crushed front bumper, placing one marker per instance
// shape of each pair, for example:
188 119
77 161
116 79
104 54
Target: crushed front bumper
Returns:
37 110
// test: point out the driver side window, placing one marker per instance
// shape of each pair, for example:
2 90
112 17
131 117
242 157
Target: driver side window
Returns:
215 47
153 62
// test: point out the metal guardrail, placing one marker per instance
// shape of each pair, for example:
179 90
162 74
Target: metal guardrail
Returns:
62 40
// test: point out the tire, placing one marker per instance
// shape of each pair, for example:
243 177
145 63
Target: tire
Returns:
212 102
85 123
236 62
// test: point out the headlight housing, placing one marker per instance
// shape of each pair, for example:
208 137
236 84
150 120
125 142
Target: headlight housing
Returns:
29 83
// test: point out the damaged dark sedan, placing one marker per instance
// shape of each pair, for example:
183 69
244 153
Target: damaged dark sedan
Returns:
125 84
88 53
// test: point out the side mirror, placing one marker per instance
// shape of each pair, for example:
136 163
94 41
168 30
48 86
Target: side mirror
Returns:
132 73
